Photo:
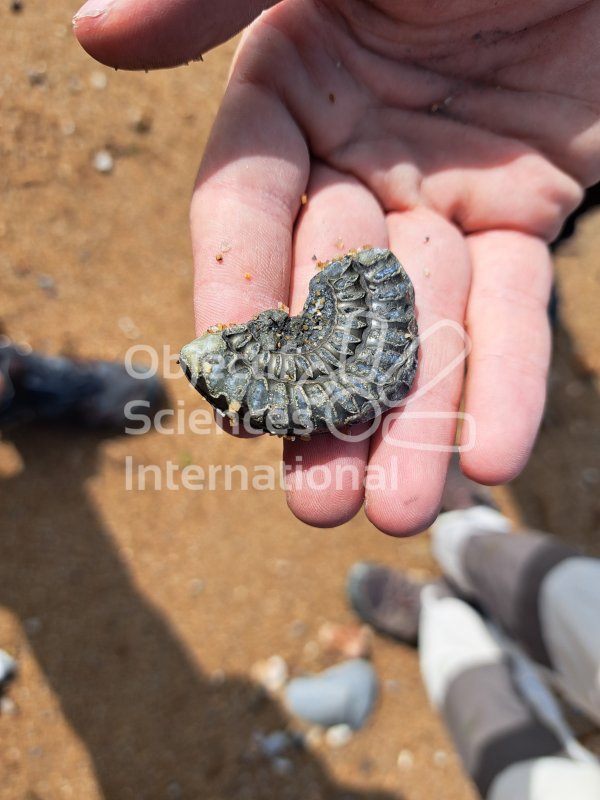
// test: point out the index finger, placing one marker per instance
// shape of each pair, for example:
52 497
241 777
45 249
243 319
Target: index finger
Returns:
245 203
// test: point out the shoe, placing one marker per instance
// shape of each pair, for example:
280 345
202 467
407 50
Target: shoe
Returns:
385 599
89 394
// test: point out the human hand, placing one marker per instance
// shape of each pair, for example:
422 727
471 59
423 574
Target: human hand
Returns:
458 134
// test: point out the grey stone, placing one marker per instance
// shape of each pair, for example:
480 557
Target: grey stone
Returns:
344 694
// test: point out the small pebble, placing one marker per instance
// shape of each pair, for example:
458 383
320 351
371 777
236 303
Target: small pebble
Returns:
98 80
8 667
104 162
282 766
298 628
338 735
275 743
313 738
351 641
405 759
272 673
37 76
7 707
16 6
128 327
366 766
47 283
440 757
140 121
74 84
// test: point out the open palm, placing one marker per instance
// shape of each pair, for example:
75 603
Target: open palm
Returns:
459 134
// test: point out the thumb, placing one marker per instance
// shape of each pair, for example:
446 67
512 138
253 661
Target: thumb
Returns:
150 34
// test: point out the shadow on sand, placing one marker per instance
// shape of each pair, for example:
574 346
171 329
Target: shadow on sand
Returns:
153 724
559 490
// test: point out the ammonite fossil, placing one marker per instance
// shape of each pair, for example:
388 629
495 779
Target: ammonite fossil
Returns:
351 354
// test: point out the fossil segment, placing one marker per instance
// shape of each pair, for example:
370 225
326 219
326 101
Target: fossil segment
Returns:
351 354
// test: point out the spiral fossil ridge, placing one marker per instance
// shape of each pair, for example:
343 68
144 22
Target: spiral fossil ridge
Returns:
350 354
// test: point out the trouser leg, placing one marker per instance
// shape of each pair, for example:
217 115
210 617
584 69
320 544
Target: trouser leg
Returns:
468 678
542 593
547 779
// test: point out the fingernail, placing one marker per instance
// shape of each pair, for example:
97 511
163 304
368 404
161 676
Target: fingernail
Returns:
93 8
